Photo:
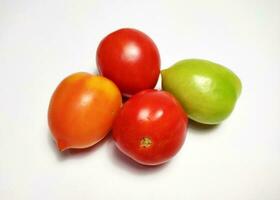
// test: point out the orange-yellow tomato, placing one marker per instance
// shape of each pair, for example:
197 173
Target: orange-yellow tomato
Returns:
82 110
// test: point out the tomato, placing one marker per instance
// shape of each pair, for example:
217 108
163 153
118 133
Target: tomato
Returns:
130 59
151 127
82 110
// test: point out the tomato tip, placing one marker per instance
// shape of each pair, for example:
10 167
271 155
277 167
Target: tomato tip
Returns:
62 146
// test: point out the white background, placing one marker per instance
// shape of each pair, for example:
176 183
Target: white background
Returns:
41 42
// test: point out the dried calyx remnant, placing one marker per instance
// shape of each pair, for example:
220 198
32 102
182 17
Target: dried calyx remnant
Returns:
145 142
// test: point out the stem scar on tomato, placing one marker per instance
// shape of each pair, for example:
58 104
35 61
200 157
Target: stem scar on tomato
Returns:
145 142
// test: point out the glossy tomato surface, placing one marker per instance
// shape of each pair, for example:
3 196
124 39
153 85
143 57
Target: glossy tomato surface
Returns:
151 127
82 110
130 59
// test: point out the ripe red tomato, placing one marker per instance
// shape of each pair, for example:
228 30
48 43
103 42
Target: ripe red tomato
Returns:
82 110
130 59
151 127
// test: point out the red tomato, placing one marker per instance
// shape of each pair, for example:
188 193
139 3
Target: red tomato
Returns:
82 110
130 59
151 127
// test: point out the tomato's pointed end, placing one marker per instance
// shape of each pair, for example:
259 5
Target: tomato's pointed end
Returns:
62 146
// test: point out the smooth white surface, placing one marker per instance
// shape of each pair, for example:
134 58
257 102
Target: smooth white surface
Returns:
41 42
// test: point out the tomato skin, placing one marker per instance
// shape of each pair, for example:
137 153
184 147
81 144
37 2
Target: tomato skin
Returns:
82 110
151 127
130 59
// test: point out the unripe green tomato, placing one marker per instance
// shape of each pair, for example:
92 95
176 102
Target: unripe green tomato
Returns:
207 91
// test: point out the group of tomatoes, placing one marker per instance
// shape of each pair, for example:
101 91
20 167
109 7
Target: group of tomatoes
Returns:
150 127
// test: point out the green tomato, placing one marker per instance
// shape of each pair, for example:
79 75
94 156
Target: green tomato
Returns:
207 91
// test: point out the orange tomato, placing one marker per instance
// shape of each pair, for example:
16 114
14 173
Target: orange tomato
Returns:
82 110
